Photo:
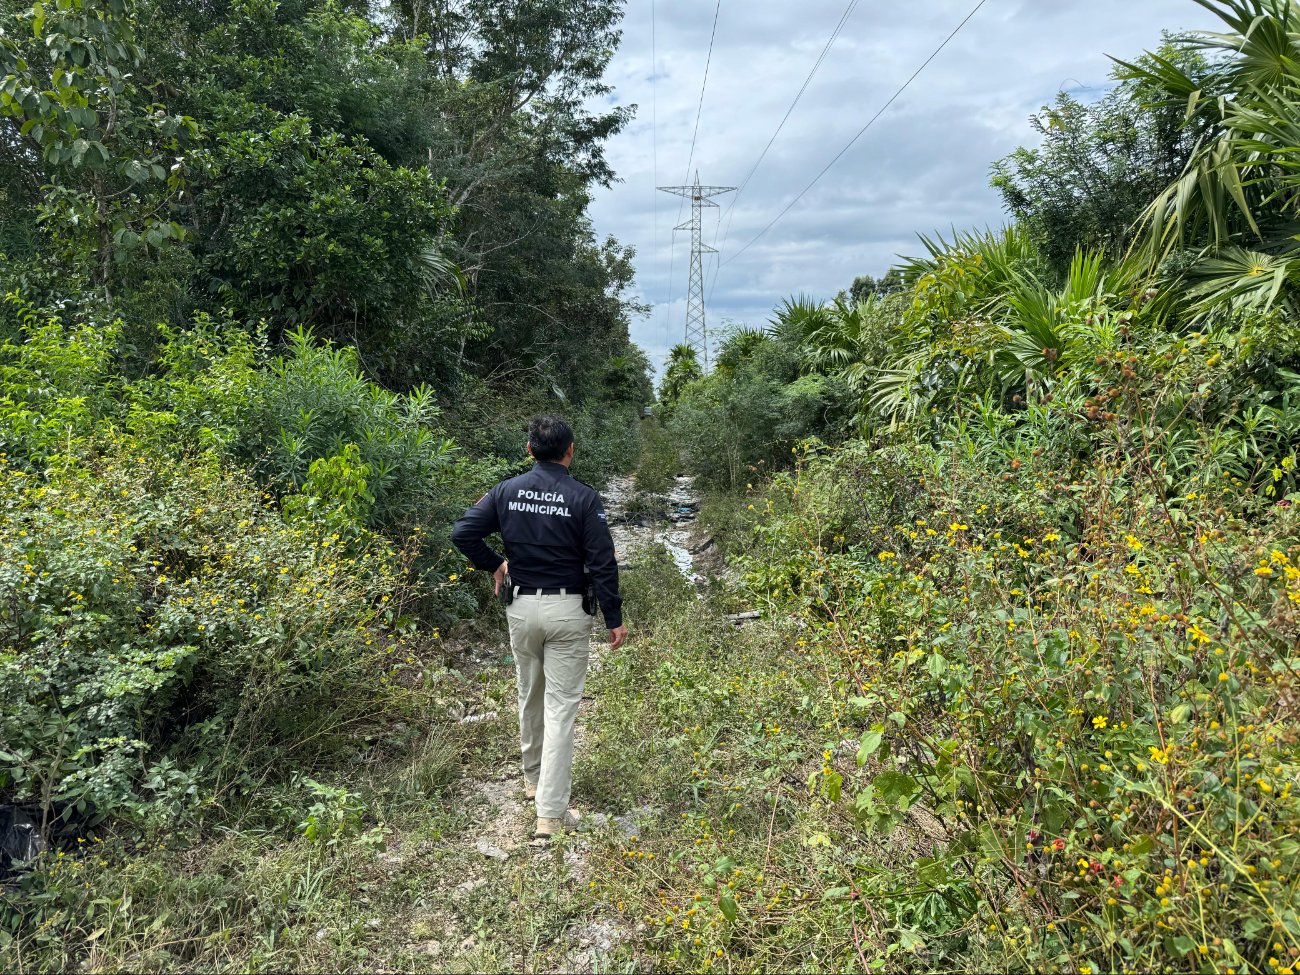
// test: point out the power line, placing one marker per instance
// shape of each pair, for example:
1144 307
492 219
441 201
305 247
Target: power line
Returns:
654 127
861 132
731 207
690 159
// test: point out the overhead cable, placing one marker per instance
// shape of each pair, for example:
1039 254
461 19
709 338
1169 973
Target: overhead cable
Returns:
704 84
654 128
861 132
699 110
731 207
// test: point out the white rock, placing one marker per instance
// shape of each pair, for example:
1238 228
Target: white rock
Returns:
488 850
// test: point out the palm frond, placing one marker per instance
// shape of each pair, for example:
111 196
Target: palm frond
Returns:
1243 279
441 271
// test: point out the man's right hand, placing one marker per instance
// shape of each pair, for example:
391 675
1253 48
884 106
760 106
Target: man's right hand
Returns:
617 637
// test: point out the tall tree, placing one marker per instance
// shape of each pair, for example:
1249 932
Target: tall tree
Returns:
347 160
77 121
1097 166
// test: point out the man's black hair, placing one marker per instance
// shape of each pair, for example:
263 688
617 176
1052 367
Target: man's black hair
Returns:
549 437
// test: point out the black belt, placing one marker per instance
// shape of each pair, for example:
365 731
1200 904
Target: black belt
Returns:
546 591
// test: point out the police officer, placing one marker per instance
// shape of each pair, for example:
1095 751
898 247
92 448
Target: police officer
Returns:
555 534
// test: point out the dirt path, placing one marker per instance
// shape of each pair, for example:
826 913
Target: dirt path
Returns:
493 879
670 524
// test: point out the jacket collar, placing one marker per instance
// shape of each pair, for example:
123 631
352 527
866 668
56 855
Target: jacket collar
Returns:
554 469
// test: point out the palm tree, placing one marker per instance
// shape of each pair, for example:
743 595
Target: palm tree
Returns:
849 337
797 318
683 369
1024 339
1237 198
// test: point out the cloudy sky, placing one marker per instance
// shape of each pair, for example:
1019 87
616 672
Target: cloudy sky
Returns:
922 167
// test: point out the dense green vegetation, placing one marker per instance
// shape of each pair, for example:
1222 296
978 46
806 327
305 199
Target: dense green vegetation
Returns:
1020 517
258 264
1035 530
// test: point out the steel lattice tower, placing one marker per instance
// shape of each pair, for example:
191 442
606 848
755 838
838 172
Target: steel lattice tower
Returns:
697 331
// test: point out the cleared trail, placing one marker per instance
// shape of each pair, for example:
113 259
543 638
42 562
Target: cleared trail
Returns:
497 903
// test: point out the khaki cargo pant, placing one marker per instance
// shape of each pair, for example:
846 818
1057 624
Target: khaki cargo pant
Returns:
551 640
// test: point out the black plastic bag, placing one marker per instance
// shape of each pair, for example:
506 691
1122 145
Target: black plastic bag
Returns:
20 838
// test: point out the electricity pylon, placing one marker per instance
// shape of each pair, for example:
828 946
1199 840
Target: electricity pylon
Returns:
697 331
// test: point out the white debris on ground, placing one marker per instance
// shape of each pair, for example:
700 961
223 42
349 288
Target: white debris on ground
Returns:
671 525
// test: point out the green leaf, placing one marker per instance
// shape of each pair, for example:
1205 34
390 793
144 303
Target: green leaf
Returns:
892 786
933 872
910 940
834 783
727 904
871 742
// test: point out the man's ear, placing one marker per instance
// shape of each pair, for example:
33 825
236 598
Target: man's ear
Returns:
528 447
568 454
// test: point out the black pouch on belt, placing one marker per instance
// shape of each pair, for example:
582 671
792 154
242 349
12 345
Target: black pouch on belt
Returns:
507 592
589 603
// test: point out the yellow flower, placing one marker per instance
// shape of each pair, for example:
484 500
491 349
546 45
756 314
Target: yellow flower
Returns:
1099 722
1263 570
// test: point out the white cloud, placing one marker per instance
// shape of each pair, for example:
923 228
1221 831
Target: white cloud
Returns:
923 167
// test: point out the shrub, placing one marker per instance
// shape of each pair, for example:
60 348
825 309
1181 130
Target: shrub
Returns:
660 461
55 383
304 406
1085 679
157 605
608 441
765 396
165 613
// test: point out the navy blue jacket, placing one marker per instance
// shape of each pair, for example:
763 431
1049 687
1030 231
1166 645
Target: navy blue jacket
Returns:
554 531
